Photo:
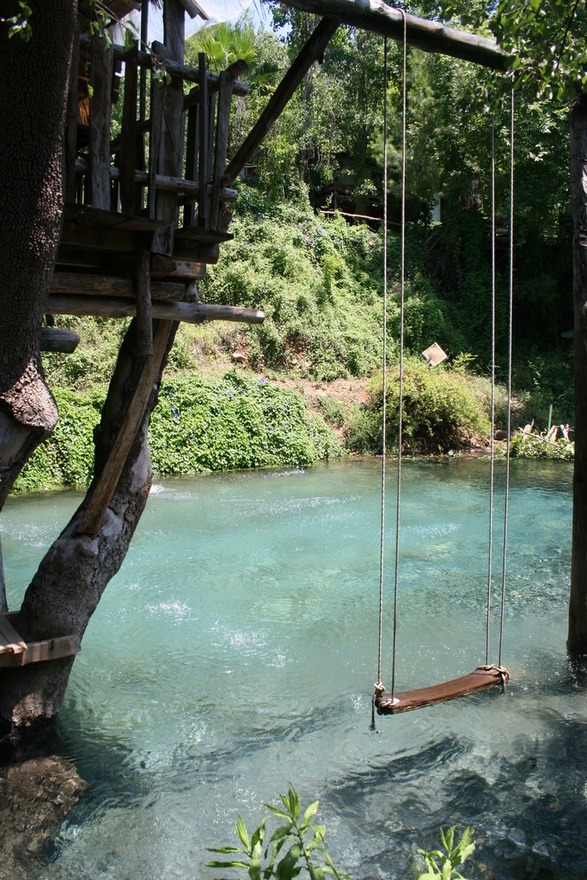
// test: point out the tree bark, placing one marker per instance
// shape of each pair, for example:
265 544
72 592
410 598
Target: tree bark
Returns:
70 581
577 635
33 96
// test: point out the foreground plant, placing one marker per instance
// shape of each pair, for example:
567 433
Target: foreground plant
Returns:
295 846
442 863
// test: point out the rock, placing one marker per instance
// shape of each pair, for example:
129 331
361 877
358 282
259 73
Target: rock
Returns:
35 797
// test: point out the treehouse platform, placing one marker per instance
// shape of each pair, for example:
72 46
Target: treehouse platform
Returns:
146 202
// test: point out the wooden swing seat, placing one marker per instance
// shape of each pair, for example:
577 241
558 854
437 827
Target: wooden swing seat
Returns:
482 678
14 651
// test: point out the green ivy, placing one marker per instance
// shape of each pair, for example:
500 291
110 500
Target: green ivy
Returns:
199 425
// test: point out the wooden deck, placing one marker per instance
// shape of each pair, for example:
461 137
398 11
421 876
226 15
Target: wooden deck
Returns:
14 651
482 678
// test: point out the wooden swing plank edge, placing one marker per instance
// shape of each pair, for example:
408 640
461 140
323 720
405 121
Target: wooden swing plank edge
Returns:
480 679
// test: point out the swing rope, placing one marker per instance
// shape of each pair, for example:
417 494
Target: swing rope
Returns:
510 362
487 675
400 426
492 438
379 687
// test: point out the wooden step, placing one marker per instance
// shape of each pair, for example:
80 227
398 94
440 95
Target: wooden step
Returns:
14 651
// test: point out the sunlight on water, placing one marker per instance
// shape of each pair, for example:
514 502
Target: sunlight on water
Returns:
236 651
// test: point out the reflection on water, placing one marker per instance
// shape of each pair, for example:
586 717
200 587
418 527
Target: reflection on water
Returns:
236 650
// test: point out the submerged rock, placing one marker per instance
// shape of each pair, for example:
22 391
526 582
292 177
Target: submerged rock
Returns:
35 797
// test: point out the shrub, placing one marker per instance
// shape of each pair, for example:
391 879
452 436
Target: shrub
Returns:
442 411
67 457
233 422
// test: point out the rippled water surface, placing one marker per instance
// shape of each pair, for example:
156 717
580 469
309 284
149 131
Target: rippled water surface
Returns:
236 651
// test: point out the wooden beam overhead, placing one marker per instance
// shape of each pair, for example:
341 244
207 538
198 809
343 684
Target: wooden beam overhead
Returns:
430 36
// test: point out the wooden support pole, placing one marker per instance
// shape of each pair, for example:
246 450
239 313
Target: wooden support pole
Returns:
203 143
101 494
310 52
143 302
113 307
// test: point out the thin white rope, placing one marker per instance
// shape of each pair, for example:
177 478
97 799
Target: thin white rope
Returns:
510 359
492 437
400 427
378 684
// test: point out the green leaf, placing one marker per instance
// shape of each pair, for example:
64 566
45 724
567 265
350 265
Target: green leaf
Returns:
225 849
235 864
243 835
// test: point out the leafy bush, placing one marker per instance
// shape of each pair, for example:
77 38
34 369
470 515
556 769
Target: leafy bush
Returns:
309 275
66 458
296 847
442 410
199 425
442 864
538 446
233 422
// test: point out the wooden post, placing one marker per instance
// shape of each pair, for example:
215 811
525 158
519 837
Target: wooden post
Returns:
203 143
577 635
101 61
129 141
71 121
170 160
222 132
143 301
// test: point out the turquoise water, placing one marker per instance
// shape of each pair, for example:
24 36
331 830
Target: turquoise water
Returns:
236 651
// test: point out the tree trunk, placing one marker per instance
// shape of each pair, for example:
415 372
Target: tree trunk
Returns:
33 96
577 636
77 568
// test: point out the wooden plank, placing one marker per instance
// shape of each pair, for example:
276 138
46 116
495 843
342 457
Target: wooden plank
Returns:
174 68
11 642
482 678
41 651
113 240
188 269
101 62
105 285
193 8
155 134
309 53
191 160
206 236
101 494
114 307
